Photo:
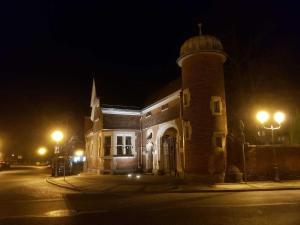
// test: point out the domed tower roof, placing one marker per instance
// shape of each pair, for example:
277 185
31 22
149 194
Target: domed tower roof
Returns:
200 43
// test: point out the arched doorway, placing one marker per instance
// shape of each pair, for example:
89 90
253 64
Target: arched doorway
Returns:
168 153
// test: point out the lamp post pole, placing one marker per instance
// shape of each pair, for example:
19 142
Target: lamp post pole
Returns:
57 136
56 152
275 162
279 117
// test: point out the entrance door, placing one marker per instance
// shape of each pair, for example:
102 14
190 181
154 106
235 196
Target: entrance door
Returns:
169 154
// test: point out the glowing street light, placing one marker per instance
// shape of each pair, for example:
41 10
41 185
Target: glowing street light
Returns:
279 117
262 116
42 151
57 136
79 152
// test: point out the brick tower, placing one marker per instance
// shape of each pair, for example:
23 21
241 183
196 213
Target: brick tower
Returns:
204 108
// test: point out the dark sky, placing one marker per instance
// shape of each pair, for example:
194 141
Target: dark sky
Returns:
50 49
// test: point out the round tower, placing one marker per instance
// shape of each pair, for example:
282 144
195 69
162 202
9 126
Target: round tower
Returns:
204 108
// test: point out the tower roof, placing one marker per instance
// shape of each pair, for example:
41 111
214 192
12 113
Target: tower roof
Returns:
200 43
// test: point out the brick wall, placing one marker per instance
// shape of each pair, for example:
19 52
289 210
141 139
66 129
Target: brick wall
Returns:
259 161
158 116
112 121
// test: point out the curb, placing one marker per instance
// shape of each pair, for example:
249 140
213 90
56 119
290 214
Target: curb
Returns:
234 190
51 181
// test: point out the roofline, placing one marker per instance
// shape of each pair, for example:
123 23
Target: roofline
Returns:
116 111
131 112
163 101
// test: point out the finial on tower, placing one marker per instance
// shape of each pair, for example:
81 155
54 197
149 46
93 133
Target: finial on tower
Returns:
200 28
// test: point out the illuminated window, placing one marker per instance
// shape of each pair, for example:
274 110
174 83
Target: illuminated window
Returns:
164 107
216 105
107 145
119 145
218 141
148 114
124 145
187 130
186 97
128 145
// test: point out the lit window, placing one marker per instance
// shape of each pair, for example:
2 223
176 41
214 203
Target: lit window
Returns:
128 145
148 114
107 145
218 141
164 107
186 97
187 130
124 145
119 145
216 105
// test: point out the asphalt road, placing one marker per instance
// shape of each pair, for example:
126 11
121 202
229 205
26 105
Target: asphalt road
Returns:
27 199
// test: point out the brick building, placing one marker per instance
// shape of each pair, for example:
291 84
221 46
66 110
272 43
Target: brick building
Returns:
183 133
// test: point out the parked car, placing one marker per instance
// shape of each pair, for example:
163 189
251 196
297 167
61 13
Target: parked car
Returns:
4 165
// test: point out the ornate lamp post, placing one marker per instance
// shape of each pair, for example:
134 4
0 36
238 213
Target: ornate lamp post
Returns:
278 117
56 136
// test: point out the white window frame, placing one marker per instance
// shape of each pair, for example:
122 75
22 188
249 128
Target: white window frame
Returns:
186 97
214 141
124 135
212 105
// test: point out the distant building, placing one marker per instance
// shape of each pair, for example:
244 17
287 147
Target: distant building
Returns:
183 133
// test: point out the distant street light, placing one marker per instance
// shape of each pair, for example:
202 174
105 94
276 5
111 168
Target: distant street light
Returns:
42 151
279 118
57 136
79 152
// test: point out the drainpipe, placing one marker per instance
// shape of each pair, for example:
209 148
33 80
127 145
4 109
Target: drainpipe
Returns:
141 144
182 131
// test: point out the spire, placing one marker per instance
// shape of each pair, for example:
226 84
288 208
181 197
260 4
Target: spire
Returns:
94 94
95 102
200 28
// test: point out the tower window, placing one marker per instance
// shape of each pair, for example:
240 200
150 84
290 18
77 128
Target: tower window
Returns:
218 141
216 105
186 97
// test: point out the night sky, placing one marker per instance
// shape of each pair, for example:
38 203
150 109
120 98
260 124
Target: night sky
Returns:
50 50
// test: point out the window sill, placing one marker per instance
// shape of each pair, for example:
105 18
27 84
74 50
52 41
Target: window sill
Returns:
123 156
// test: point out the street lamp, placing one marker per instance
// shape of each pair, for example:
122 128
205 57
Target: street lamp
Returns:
79 152
42 151
279 118
57 136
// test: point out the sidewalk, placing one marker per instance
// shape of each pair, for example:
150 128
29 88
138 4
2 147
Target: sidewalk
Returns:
90 183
